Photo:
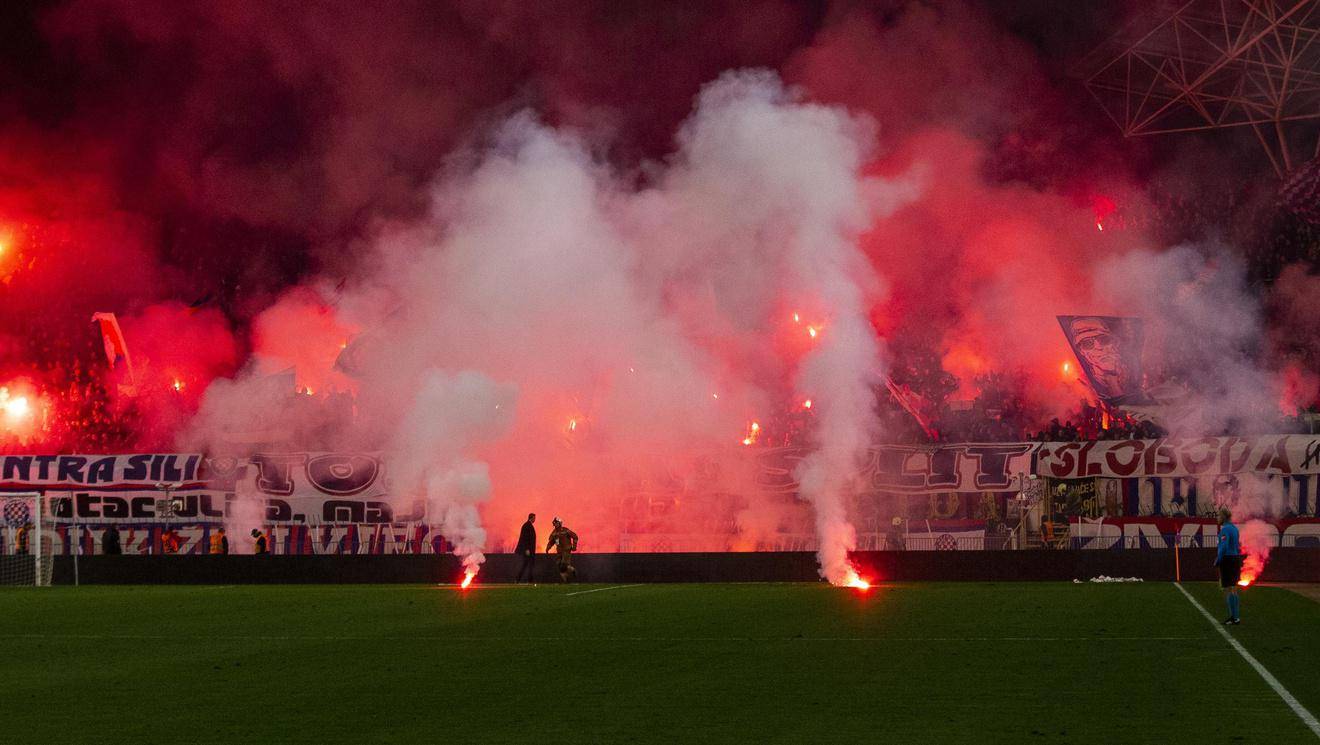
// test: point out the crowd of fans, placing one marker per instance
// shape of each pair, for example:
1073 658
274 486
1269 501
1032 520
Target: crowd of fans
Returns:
83 407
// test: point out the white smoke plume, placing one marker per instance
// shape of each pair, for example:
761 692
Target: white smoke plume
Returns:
1205 336
637 324
428 455
754 152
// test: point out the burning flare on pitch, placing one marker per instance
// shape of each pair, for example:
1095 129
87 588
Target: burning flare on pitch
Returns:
854 580
1258 539
1251 569
467 578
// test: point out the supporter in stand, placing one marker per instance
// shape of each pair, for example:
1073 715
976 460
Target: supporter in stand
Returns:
170 541
110 541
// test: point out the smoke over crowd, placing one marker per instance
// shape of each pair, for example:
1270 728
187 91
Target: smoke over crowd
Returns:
530 253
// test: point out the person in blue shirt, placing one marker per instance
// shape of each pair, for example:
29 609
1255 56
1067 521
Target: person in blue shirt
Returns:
1229 560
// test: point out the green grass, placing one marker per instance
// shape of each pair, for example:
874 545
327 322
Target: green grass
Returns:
923 663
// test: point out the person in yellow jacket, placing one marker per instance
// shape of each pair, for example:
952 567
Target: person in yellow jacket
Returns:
219 542
566 541
260 543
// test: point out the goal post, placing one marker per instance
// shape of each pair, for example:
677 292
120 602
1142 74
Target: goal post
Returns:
27 540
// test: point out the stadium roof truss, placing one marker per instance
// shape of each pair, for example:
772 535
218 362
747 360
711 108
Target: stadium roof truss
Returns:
1215 64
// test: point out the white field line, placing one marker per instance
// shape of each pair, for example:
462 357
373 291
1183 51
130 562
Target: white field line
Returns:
598 589
1307 717
503 639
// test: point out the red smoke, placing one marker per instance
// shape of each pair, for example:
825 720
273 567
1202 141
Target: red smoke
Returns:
232 180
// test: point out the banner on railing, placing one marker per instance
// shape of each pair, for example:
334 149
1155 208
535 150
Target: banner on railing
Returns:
161 538
1164 476
945 535
1266 455
1187 532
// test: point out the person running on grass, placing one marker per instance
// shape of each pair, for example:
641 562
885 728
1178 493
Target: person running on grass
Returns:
567 542
1229 560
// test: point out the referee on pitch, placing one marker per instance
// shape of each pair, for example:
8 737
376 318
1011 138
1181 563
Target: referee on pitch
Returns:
1229 560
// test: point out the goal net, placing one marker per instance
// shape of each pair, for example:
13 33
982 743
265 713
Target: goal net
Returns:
27 542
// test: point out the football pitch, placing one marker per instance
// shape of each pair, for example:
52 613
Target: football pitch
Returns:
754 663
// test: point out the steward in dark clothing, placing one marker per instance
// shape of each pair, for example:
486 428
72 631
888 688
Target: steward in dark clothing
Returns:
110 541
527 549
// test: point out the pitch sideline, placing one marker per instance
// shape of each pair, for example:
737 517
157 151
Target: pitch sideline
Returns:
599 589
1306 716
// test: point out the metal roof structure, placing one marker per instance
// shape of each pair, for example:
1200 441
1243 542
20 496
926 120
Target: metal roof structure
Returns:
1215 64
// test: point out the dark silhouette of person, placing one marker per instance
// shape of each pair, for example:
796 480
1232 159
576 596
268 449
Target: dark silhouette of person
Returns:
110 541
527 549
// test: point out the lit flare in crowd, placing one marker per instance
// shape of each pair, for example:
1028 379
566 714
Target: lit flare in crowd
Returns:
806 404
17 408
813 332
753 432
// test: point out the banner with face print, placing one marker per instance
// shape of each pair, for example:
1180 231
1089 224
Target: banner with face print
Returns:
1108 348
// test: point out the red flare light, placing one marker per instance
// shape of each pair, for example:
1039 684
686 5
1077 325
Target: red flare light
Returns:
467 578
855 581
178 385
16 408
812 331
797 318
1252 566
753 432
806 404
